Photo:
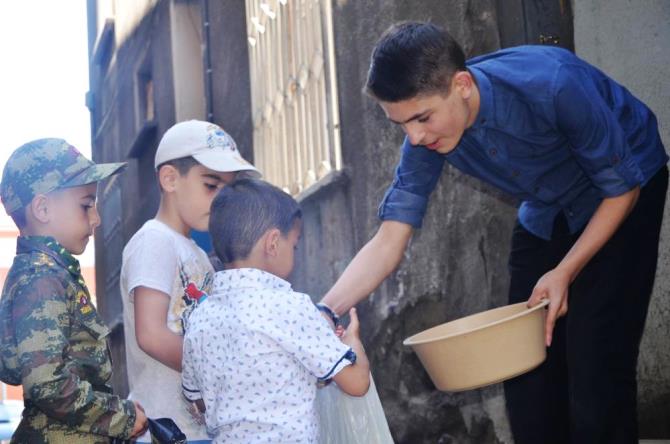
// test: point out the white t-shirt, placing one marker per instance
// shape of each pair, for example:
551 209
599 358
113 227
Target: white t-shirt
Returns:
253 353
162 259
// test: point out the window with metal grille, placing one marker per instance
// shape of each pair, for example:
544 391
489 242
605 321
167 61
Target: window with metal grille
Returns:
293 91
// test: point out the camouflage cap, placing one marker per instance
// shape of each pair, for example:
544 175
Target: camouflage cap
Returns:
44 165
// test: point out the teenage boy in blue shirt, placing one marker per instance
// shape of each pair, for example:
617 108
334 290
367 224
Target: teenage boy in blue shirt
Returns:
585 158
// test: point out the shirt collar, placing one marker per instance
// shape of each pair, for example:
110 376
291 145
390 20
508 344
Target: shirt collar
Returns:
50 246
237 278
485 116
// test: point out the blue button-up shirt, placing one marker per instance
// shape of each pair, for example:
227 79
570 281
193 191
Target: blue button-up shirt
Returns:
552 131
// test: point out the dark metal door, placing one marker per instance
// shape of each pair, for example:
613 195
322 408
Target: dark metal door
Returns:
533 22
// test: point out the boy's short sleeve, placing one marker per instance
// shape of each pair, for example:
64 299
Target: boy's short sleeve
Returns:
298 327
149 261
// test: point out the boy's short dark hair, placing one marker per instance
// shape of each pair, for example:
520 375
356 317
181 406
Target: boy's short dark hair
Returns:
243 211
412 59
183 165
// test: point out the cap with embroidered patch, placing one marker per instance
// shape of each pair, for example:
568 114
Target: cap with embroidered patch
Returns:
44 165
207 143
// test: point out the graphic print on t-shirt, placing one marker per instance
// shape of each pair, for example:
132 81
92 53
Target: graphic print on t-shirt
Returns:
192 295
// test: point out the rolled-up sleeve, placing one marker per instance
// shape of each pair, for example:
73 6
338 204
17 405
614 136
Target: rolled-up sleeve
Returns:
595 135
416 175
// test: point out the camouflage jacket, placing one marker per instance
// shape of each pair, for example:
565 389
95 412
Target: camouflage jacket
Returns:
54 343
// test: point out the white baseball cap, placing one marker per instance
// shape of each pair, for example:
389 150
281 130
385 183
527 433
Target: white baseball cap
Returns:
207 143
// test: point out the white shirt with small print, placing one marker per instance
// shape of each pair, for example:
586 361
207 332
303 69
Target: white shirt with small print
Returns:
253 353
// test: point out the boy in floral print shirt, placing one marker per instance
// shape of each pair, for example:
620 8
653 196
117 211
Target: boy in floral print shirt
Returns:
165 274
255 350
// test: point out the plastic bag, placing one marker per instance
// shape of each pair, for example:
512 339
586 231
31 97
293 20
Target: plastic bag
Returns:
348 419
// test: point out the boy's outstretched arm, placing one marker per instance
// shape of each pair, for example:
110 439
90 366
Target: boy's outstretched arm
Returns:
151 330
354 379
371 265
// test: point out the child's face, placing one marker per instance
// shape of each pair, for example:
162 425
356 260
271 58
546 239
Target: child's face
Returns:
286 251
73 216
195 192
435 121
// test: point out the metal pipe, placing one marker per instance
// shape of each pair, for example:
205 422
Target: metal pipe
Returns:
207 61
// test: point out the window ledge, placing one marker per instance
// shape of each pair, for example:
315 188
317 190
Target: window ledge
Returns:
332 180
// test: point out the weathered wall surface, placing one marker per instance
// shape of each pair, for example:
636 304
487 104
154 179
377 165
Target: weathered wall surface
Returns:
122 130
132 197
629 41
456 264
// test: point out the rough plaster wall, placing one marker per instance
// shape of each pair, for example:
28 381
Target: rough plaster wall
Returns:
116 120
629 41
231 83
456 265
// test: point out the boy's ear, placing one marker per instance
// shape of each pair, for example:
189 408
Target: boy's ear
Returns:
464 83
39 207
271 242
167 177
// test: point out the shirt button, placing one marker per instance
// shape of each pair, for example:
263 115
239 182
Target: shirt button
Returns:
493 151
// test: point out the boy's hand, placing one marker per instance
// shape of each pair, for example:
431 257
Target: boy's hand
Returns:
553 286
352 333
141 423
354 379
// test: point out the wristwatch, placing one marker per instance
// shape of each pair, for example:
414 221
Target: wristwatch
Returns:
329 311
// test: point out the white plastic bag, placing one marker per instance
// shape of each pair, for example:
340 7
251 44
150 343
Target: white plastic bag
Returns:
348 419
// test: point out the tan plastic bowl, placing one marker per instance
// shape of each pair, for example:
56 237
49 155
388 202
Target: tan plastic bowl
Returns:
483 348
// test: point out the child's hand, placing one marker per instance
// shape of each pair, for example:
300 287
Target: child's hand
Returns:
352 333
141 423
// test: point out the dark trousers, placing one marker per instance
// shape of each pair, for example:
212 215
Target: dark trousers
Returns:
586 390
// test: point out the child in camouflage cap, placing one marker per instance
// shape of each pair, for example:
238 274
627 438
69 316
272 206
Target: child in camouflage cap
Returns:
52 340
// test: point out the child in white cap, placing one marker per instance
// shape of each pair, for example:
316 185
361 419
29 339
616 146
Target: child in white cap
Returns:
165 274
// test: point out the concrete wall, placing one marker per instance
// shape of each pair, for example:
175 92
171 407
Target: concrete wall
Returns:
168 35
230 88
629 41
456 264
116 125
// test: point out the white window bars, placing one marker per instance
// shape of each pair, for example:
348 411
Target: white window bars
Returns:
293 91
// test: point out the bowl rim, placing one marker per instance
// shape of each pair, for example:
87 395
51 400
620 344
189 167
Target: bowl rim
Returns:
409 342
